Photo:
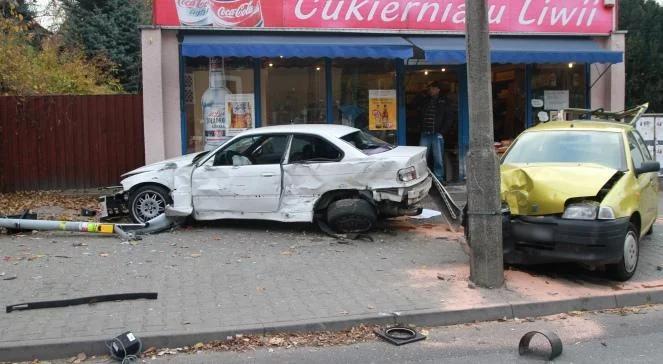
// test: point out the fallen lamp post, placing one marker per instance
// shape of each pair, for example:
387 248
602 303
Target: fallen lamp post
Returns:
124 231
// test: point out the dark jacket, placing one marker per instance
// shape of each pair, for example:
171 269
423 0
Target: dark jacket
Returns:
435 116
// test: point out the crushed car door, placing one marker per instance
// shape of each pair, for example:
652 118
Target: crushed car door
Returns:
311 169
244 176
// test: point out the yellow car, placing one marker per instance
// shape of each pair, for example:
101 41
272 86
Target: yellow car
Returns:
581 190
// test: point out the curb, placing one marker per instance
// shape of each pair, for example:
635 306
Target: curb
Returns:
59 348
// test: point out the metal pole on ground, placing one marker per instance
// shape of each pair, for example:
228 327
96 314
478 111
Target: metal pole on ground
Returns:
483 178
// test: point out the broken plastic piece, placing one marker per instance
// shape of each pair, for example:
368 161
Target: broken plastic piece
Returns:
553 339
426 214
399 335
82 301
88 212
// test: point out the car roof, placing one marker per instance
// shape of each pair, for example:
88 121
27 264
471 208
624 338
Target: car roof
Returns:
319 129
596 125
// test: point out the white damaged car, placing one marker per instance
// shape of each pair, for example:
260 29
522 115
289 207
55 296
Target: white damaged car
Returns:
293 173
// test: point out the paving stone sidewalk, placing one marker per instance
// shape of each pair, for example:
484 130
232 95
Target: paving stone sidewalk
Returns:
247 275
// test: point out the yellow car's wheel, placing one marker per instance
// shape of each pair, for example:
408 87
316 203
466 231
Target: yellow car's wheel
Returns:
625 268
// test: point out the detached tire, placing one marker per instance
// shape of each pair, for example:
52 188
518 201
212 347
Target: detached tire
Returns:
625 268
148 202
351 216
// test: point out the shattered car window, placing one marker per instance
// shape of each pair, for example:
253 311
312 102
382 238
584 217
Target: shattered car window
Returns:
367 143
636 154
308 148
581 146
258 149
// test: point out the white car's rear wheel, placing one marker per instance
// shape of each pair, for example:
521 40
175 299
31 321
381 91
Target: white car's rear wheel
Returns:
148 202
352 215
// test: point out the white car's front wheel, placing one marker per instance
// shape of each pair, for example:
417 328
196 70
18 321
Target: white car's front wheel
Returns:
148 202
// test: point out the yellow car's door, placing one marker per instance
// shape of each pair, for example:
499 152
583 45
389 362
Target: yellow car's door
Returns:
647 182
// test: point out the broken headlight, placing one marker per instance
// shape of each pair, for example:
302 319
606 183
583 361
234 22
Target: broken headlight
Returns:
587 210
407 174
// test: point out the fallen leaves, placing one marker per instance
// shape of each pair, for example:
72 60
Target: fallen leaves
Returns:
242 343
78 358
17 202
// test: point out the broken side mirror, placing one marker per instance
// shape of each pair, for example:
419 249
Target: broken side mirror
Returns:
647 167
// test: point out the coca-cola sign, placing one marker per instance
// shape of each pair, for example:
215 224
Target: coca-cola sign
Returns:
236 13
505 16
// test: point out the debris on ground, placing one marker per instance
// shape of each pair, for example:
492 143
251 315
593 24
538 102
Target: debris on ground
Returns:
399 335
50 205
244 343
426 214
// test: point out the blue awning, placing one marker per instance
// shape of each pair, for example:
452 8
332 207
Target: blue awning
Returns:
302 46
451 50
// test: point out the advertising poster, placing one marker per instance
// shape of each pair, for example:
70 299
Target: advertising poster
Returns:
382 110
658 129
240 113
645 126
555 99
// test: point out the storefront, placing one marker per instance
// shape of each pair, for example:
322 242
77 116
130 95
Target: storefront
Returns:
212 68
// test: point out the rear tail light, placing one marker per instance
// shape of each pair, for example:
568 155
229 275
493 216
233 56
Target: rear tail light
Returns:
407 174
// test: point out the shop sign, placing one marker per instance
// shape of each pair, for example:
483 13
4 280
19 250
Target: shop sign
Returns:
555 99
382 110
505 16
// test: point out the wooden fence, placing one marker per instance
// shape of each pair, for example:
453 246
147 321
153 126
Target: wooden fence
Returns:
69 141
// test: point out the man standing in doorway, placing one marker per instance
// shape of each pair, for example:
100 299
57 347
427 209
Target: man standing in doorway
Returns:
433 124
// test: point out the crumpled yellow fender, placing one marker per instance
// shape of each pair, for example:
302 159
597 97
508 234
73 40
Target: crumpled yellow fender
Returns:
624 197
544 188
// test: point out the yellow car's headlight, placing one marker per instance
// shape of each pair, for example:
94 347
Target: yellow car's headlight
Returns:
581 211
588 210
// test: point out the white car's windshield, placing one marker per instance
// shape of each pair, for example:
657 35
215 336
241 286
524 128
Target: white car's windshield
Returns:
581 146
367 143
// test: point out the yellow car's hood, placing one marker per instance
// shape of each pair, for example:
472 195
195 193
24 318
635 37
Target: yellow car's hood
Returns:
543 189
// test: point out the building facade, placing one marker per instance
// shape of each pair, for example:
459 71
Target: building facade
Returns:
212 68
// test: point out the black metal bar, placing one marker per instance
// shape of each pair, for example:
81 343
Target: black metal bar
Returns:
82 301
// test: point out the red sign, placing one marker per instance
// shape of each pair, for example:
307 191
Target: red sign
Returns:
505 16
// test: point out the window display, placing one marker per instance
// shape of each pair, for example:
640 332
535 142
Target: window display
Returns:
364 94
219 102
557 86
293 91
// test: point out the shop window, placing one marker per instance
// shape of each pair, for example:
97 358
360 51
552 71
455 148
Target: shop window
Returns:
293 91
364 94
219 100
308 148
556 87
509 101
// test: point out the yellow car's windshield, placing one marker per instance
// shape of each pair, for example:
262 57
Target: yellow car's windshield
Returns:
568 146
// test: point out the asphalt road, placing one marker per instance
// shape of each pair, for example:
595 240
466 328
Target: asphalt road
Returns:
631 336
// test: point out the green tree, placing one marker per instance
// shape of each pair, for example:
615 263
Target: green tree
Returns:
109 28
643 20
47 67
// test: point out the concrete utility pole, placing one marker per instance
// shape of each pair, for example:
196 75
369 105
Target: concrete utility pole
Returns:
483 177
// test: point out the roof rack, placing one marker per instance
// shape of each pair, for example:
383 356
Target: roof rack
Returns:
629 116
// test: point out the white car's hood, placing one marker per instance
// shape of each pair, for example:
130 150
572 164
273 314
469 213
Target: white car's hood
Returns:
172 163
